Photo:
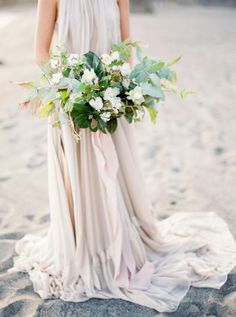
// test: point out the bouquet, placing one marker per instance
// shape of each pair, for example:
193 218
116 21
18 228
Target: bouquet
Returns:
92 92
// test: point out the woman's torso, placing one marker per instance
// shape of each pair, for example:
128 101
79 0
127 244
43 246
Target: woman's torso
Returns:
85 25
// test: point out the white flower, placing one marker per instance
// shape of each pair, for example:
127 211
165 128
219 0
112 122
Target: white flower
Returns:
105 116
136 95
54 63
89 76
56 78
106 59
115 67
116 103
125 69
96 103
73 60
73 96
111 93
115 56
126 82
139 115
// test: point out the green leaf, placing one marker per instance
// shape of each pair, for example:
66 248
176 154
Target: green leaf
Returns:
153 114
56 124
152 90
66 72
123 48
167 73
112 125
77 86
47 93
25 84
101 125
139 53
81 108
64 96
129 116
95 62
82 120
32 93
47 109
154 67
150 102
174 61
138 70
186 92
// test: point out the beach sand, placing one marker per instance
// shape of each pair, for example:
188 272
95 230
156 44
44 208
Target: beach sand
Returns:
188 158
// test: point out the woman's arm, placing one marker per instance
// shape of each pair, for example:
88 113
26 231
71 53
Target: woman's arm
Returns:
46 18
124 19
124 22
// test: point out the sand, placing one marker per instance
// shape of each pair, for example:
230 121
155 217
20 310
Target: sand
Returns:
188 158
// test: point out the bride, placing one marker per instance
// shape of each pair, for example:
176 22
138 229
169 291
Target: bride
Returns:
103 240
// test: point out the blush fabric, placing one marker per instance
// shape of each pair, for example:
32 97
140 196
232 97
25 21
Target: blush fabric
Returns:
103 240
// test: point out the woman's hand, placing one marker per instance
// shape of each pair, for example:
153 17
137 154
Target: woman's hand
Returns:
46 18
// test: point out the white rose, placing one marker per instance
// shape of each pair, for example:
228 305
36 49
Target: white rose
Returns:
105 116
54 63
106 59
73 60
88 76
111 93
56 78
136 95
116 103
96 103
139 115
115 67
125 69
126 82
115 56
73 96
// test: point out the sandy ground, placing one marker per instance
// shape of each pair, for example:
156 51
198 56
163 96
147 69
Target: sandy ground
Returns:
188 158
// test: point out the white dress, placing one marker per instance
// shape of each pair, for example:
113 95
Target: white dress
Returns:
118 249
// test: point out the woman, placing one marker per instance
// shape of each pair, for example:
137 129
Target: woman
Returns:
103 240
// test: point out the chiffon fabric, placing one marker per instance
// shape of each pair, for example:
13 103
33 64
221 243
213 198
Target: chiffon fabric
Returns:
103 239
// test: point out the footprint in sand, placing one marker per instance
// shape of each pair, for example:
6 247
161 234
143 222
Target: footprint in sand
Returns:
36 161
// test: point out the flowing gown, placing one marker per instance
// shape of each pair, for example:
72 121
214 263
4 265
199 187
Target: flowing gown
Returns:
103 240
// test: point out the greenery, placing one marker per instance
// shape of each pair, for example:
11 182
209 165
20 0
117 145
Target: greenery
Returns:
93 92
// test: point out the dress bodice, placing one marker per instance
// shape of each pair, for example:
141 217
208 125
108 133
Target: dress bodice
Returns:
88 25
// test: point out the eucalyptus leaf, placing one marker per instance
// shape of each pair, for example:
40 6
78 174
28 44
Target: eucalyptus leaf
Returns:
47 94
139 53
167 73
25 84
63 118
174 61
47 109
186 92
153 91
154 67
153 114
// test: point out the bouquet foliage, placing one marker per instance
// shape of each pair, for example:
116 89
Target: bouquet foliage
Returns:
93 92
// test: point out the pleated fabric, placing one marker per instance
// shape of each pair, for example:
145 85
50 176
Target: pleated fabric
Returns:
103 240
